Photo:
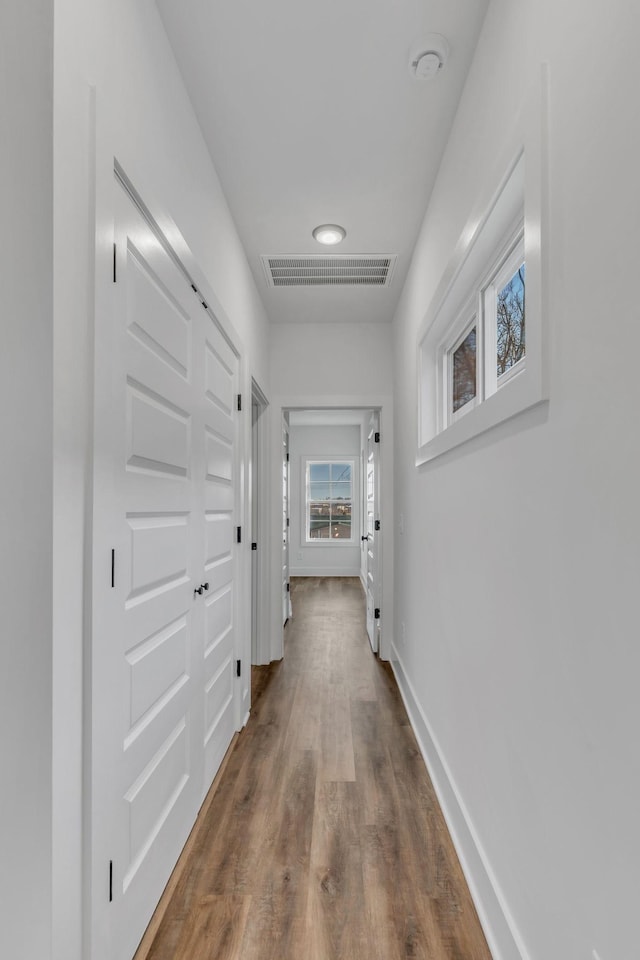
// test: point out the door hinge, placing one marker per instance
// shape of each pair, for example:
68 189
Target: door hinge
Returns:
376 613
238 668
376 437
288 521
254 546
113 568
287 458
110 881
115 259
239 401
376 525
199 296
238 534
288 587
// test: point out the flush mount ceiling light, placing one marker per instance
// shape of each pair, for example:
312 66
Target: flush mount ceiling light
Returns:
428 57
329 233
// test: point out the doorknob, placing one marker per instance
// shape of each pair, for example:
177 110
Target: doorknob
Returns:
365 538
204 586
198 589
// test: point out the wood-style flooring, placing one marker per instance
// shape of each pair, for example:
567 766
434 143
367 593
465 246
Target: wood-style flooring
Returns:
324 839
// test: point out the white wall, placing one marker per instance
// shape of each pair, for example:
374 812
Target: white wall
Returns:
517 570
325 558
116 53
327 359
26 165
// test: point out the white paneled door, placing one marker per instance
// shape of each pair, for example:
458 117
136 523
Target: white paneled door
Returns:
372 536
164 679
219 428
286 525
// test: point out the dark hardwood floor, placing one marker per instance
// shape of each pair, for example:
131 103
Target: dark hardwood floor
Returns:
323 839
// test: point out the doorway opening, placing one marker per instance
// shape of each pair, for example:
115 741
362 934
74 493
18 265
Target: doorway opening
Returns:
332 505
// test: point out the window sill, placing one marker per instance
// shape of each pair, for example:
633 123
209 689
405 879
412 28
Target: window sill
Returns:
330 543
522 392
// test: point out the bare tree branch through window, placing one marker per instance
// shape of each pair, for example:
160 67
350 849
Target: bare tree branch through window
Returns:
510 322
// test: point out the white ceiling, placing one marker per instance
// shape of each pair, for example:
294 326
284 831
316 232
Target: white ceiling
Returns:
311 116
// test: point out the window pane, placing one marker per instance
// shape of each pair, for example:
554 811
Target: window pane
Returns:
464 372
341 511
510 322
319 491
341 491
329 500
340 471
341 530
319 531
319 471
319 521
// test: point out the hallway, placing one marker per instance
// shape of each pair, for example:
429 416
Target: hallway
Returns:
324 838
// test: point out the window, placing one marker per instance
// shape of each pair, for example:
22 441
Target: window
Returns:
462 373
328 500
482 347
503 306
472 374
510 331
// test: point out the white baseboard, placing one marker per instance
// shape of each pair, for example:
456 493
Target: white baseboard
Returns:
499 928
324 572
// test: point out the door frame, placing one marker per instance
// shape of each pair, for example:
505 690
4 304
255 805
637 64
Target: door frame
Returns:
373 420
285 595
259 492
383 404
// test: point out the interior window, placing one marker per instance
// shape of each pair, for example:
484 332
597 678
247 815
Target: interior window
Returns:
329 500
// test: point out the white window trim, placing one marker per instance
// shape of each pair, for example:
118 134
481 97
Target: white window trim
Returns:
524 160
342 542
480 312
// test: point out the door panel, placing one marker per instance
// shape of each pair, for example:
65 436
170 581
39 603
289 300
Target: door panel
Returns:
219 424
156 622
157 666
286 595
156 316
220 374
219 536
373 535
159 548
158 435
164 694
219 457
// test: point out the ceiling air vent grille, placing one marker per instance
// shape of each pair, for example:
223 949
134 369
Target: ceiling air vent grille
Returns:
329 271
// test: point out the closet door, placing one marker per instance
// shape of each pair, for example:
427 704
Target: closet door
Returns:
218 484
158 621
166 491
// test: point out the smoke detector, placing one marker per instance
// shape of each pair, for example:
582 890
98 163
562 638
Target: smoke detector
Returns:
428 57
